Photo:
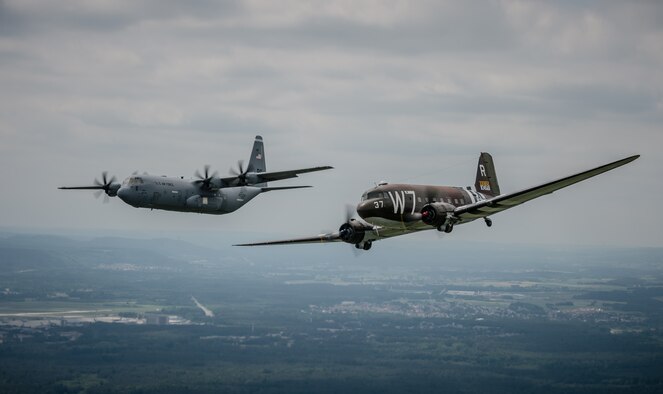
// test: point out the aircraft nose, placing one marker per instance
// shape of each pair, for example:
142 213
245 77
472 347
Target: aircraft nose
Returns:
363 209
123 193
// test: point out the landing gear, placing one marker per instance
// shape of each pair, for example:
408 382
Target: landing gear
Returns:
488 221
447 228
365 246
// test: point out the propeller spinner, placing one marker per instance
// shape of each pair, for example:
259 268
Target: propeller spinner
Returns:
205 180
240 174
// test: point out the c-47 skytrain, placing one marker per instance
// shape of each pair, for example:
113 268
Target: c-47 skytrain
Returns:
208 193
389 210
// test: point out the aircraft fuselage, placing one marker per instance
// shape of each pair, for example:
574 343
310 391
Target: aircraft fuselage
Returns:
396 208
182 195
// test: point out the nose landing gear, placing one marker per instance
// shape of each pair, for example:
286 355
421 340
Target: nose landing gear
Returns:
488 221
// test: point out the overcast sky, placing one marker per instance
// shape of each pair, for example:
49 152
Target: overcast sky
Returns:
401 91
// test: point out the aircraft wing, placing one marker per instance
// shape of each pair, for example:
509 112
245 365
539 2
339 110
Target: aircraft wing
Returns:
322 238
81 187
279 175
510 200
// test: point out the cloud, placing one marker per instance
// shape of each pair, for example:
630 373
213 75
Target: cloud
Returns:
381 90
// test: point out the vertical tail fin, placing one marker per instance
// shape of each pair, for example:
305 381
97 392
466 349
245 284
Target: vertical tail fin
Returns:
257 158
486 182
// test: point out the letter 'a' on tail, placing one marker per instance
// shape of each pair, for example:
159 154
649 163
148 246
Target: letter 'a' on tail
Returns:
257 158
486 182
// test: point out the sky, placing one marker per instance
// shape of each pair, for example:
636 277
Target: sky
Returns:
402 91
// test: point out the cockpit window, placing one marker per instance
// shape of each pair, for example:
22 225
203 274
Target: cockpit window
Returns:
372 195
134 180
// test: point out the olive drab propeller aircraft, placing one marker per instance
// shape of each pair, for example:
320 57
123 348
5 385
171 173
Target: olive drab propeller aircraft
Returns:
389 210
207 193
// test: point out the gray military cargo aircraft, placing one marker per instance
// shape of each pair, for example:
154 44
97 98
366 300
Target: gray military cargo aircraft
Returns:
207 193
389 210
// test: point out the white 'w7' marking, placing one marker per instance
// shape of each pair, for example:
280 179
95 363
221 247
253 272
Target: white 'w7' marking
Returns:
398 200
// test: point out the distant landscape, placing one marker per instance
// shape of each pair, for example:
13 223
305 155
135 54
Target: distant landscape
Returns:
95 315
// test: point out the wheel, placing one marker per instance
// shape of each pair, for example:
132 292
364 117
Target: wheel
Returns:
448 228
488 221
367 245
358 246
440 228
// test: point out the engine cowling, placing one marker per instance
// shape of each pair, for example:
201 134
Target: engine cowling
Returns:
112 189
352 232
436 214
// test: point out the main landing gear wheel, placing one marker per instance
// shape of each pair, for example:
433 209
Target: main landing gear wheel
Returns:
488 221
447 228
366 246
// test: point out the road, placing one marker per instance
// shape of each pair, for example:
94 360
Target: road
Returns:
206 311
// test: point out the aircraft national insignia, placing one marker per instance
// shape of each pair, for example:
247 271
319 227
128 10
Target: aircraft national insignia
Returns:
484 185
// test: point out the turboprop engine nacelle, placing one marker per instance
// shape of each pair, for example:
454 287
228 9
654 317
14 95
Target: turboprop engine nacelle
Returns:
436 214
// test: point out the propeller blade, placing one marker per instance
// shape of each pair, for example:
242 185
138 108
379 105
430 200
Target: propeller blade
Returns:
349 212
240 175
97 193
207 178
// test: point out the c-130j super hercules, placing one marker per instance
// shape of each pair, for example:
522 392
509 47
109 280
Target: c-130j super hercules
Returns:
207 193
389 210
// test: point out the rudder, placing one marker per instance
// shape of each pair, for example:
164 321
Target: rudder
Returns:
257 158
486 182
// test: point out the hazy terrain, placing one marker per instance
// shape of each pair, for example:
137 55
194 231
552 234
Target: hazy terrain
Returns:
414 316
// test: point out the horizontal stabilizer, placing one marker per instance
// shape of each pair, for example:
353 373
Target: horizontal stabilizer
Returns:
269 189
